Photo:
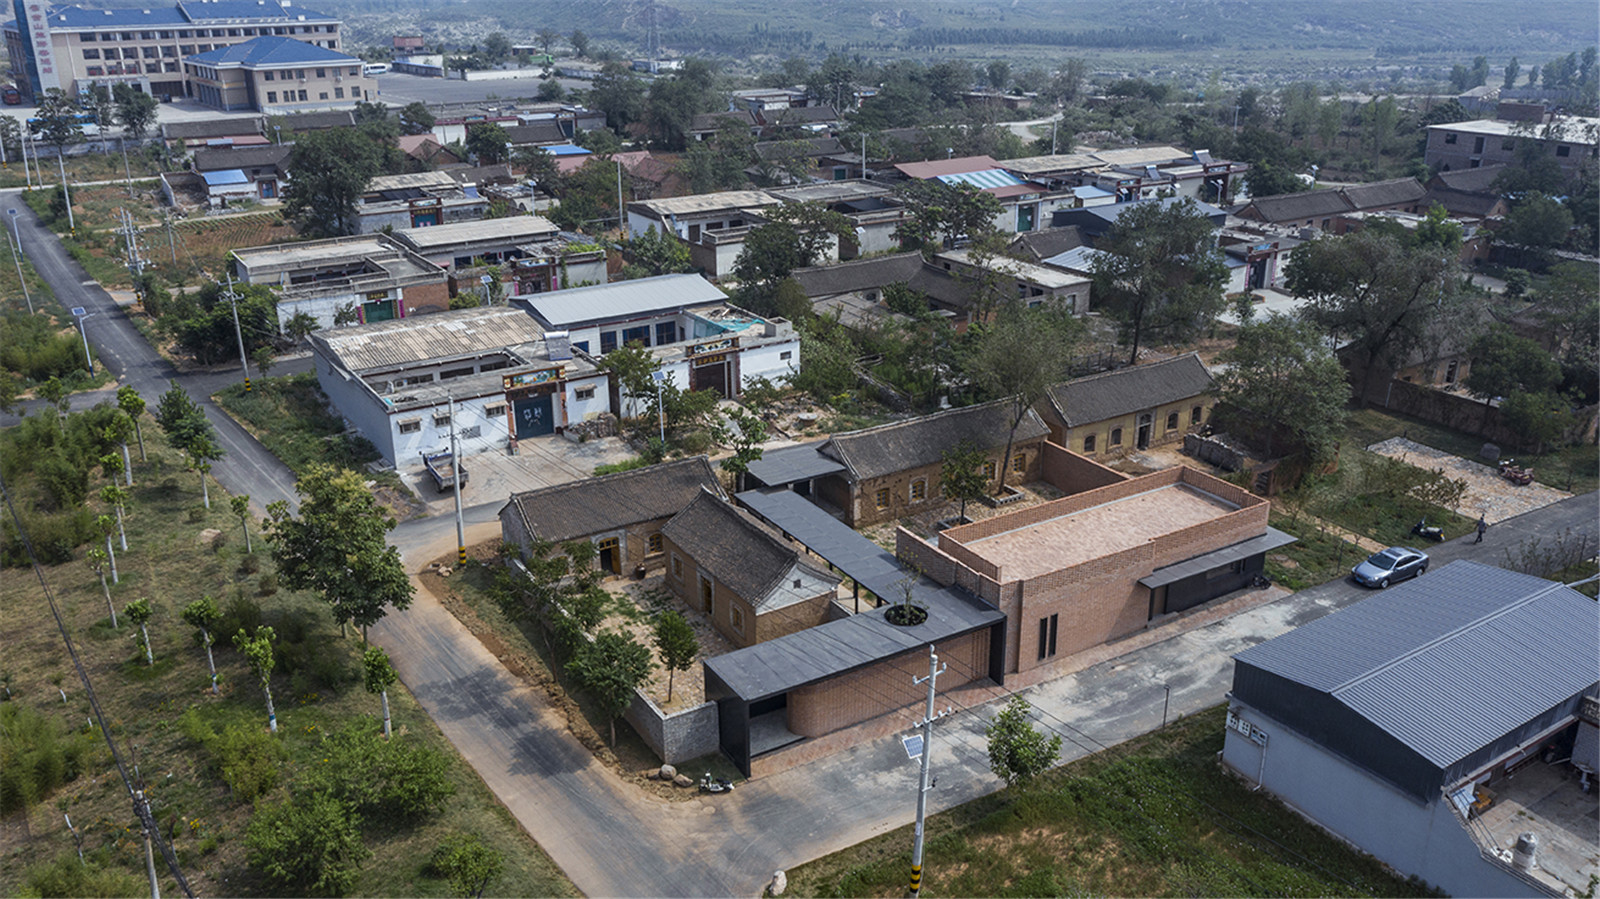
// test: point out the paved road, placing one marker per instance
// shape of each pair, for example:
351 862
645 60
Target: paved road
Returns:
247 467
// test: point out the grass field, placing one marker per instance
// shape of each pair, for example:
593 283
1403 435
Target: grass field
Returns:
316 688
1156 816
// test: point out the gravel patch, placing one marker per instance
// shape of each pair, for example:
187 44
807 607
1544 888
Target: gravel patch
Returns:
1488 494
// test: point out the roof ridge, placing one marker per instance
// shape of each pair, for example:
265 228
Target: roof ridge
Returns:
1446 637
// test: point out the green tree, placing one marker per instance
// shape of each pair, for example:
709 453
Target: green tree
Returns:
618 93
675 643
1536 225
338 546
1018 752
181 418
1512 68
308 844
672 102
633 366
257 652
487 141
580 43
463 859
135 109
744 433
415 118
1383 296
378 676
1536 418
389 779
938 213
117 498
241 510
96 557
961 476
300 326
496 47
1282 374
56 122
139 613
328 172
202 615
1504 363
1159 273
656 253
795 235
610 669
1020 356
551 92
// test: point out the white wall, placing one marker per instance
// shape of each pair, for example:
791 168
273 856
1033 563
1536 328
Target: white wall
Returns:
323 309
584 410
768 362
433 438
356 403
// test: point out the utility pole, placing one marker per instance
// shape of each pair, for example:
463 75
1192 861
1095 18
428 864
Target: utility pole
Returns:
621 214
171 244
1053 137
244 360
125 169
455 461
934 670
61 162
142 805
16 256
661 411
83 327
27 175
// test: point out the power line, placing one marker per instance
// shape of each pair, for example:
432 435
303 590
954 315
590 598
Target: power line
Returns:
141 804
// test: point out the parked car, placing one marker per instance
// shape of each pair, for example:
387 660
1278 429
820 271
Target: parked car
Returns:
1387 566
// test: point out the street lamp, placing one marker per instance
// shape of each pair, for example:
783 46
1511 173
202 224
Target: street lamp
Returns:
661 411
486 280
277 132
82 316
16 256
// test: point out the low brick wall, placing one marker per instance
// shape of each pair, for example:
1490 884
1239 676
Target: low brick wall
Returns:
1065 506
1071 473
678 737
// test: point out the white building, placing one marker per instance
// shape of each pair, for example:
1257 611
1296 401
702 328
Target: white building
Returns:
366 275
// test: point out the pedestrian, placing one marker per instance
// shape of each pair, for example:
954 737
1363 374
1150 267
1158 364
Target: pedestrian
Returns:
1482 526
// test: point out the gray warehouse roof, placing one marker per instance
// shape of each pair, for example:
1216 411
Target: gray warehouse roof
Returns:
792 463
622 300
1448 663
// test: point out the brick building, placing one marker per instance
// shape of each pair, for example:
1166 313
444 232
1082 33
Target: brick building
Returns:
1130 408
622 514
886 472
751 583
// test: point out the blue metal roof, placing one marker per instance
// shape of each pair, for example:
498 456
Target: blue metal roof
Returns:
78 17
273 51
984 180
194 13
567 150
1450 662
250 9
226 176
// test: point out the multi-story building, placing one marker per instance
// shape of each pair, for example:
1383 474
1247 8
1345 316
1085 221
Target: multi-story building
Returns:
1571 141
71 48
277 75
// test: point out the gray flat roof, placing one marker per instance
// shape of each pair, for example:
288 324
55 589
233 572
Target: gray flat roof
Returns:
783 466
776 666
621 300
502 230
440 335
1267 542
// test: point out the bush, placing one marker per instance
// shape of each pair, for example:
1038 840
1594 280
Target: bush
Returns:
54 536
67 877
35 758
310 844
250 564
389 778
197 515
268 584
248 758
241 613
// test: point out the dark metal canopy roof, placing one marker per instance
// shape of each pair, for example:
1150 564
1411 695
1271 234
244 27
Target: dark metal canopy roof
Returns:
1267 542
783 466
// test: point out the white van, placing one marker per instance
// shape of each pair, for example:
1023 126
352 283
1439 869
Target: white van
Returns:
375 68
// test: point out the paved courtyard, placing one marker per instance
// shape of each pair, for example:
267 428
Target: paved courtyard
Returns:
540 462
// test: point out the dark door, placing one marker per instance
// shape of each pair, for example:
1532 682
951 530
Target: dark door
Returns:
710 377
534 416
610 555
1144 431
1258 273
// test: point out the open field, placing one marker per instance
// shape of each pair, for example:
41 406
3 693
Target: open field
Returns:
1156 816
172 560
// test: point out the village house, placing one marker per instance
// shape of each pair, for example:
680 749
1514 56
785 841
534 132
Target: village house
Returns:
418 200
1134 408
854 291
464 244
258 172
747 580
713 225
1321 209
345 280
1024 282
1572 141
622 514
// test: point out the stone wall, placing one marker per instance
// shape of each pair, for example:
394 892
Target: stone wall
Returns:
867 512
679 737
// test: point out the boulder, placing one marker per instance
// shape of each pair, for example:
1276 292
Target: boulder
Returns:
208 536
652 774
780 882
683 780
667 772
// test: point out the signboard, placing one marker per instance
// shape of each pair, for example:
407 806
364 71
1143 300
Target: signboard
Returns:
78 311
1245 729
711 346
531 378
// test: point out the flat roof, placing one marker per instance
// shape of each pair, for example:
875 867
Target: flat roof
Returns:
501 230
1110 527
418 338
1061 162
831 191
1572 128
1027 271
728 199
621 300
793 463
341 249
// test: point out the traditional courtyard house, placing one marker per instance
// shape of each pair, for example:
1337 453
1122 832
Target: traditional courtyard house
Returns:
1133 408
622 514
750 582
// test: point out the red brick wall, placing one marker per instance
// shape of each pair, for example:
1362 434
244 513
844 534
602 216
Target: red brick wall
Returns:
856 696
1099 600
789 619
1071 473
421 299
1064 506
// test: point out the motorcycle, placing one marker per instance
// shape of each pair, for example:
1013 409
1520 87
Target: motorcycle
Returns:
1421 529
709 784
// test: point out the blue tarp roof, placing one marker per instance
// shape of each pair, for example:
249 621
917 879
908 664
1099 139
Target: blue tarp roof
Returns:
226 176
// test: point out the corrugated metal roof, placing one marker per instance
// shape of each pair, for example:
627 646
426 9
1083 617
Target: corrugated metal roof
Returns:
1267 542
621 300
1450 662
501 230
442 335
985 180
793 463
226 176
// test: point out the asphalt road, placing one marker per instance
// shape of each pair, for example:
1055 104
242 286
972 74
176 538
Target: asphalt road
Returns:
247 467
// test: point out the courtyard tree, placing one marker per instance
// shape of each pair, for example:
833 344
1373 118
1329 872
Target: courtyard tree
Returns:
241 510
487 141
1538 419
1504 363
610 668
257 651
1536 225
415 118
379 675
465 861
1019 356
654 253
675 643
338 547
938 214
961 476
1384 298
1282 375
56 121
633 367
139 613
743 432
96 557
202 615
1159 273
1018 752
329 171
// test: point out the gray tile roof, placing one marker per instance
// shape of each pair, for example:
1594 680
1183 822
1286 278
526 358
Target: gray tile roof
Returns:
1116 393
745 555
898 446
792 149
1475 180
1395 192
1310 204
540 132
1461 202
597 505
1450 662
213 128
711 121
318 121
1041 245
798 115
209 160
878 272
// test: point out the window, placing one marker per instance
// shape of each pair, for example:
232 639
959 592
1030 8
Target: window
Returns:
1508 145
919 490
785 356
322 95
1563 151
496 409
736 618
268 76
988 469
441 419
150 52
1048 629
338 93
1116 436
302 96
473 431
112 53
1019 463
1451 371
1172 421
449 373
1088 444
322 73
87 38
91 54
1474 163
608 341
1194 415
677 566
584 393
1477 145
272 96
881 498
411 426
1449 138
655 542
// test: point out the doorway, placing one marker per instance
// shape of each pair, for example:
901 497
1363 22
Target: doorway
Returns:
712 374
706 593
1143 439
534 416
610 555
